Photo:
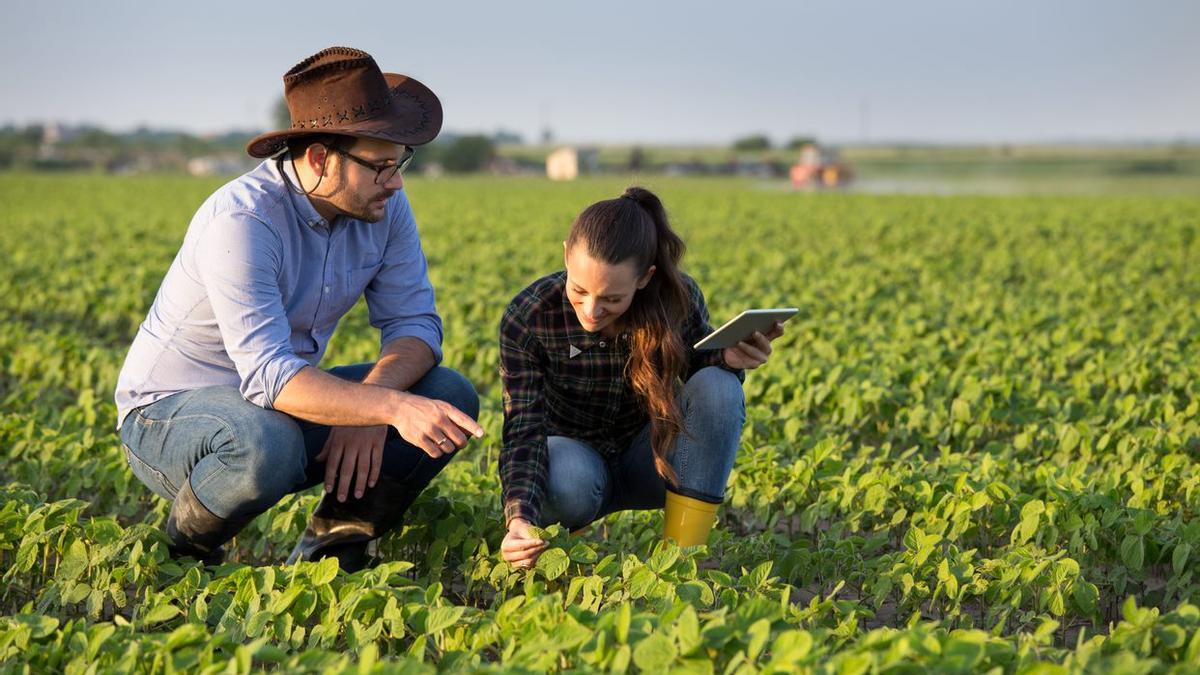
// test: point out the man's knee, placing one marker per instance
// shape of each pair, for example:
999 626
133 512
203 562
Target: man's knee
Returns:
263 457
445 384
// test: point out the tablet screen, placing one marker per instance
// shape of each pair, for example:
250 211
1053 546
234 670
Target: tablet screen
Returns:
744 325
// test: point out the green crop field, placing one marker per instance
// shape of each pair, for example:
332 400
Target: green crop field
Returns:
977 449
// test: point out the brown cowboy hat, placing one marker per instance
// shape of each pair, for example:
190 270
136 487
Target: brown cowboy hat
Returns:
342 91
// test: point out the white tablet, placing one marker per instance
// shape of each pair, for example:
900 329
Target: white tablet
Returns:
742 326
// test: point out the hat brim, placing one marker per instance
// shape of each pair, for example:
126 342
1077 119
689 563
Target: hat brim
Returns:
413 118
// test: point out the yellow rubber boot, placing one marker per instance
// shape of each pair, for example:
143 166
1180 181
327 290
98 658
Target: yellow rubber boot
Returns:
687 520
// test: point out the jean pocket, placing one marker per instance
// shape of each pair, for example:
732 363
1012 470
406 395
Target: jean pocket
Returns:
154 479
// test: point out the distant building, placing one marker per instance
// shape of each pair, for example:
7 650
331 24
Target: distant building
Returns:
217 165
567 163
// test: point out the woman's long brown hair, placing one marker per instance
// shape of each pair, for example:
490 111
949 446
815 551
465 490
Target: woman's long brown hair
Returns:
634 227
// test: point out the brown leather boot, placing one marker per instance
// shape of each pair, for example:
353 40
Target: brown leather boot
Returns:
344 529
196 532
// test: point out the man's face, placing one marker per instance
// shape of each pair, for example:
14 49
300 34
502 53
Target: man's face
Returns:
354 191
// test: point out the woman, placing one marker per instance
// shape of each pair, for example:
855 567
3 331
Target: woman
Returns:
606 405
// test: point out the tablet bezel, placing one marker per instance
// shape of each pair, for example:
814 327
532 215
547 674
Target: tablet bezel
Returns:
754 319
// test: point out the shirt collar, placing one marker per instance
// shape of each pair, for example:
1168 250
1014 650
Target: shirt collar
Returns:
305 211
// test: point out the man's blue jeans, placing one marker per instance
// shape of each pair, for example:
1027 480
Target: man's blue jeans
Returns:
583 485
242 459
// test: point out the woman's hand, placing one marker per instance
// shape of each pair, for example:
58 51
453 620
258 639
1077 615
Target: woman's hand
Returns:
753 352
520 547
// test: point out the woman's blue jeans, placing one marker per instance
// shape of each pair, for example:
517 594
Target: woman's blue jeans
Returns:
242 459
583 485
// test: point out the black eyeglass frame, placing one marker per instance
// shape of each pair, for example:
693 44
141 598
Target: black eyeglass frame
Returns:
379 169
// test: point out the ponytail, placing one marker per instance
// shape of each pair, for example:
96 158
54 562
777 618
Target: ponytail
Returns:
634 227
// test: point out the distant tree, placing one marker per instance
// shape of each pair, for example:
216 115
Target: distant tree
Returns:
752 143
798 142
95 139
506 137
468 153
637 158
280 116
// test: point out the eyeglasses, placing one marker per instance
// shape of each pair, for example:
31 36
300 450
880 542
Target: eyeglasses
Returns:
383 172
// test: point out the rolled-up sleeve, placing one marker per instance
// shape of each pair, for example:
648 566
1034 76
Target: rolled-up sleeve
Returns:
400 301
524 455
239 257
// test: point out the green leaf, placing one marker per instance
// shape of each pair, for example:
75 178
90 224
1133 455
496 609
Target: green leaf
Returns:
160 614
39 626
441 618
960 410
1133 552
1057 604
280 603
1180 557
654 653
663 558
553 563
641 582
791 646
1171 637
1086 596
624 618
687 631
323 572
73 563
758 632
583 553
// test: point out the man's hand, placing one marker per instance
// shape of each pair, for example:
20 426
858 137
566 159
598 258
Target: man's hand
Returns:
349 451
520 548
435 426
753 352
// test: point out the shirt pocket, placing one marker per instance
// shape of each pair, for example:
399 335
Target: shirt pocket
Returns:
358 278
354 282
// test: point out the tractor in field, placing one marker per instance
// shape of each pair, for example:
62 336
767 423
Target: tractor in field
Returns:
819 168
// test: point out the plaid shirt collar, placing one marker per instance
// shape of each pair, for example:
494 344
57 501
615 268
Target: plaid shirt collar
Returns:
575 334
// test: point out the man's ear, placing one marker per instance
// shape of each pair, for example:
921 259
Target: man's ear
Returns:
646 277
317 156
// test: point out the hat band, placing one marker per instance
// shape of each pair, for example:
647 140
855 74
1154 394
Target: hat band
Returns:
352 114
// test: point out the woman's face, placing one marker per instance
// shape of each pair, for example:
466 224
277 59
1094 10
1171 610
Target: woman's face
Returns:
600 292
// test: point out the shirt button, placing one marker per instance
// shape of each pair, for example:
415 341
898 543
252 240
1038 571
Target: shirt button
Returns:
602 343
326 289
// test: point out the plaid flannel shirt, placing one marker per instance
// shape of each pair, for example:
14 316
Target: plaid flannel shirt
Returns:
560 380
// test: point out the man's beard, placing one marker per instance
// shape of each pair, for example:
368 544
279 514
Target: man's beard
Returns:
362 209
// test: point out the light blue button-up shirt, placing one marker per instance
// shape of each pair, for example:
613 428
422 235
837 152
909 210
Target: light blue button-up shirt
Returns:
260 283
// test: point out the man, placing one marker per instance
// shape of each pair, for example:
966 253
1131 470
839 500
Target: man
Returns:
221 408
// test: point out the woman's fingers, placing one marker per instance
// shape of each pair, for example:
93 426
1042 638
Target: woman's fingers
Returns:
515 545
752 353
524 558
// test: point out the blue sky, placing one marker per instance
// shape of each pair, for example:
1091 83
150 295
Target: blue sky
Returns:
667 72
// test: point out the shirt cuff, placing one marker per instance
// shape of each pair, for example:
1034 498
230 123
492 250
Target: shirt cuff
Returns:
271 380
515 508
427 335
